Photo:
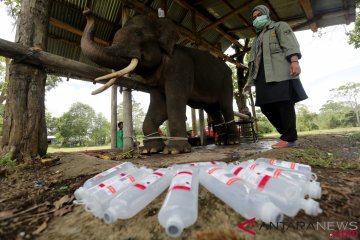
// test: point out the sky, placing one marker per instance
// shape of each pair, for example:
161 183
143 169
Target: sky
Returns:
327 62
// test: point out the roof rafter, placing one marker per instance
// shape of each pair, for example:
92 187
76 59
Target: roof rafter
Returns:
218 29
223 19
346 7
307 8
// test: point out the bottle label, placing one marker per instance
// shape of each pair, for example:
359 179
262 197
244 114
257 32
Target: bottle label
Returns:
223 176
181 181
103 174
147 181
119 184
202 163
257 180
273 172
284 164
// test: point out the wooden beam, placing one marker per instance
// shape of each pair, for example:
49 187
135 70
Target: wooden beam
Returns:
227 16
272 11
58 24
137 6
61 66
346 8
307 8
186 5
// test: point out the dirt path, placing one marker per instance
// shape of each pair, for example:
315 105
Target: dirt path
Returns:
47 212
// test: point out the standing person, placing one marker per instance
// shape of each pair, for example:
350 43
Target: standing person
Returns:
119 136
274 70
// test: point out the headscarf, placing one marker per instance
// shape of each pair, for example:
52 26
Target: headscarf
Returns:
256 50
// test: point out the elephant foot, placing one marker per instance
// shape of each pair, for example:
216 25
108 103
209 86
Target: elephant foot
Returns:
233 138
176 147
221 139
153 146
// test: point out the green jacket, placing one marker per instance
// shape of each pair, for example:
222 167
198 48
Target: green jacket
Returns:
279 43
119 139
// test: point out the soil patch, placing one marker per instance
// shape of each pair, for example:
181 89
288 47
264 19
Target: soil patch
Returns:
36 200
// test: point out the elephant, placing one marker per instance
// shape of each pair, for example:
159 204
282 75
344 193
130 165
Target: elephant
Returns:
179 76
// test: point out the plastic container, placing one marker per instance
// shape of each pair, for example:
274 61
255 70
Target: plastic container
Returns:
303 168
83 192
180 208
131 201
97 199
235 193
309 187
101 177
286 195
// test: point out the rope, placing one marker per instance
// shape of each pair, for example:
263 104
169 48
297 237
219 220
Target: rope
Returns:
224 123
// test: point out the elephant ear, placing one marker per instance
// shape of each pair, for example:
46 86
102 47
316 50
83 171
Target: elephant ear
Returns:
167 35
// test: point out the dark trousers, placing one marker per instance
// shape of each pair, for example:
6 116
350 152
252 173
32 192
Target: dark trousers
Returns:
283 117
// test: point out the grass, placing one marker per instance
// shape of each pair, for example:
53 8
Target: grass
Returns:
355 130
54 148
7 162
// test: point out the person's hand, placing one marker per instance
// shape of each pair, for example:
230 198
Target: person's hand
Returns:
246 90
295 69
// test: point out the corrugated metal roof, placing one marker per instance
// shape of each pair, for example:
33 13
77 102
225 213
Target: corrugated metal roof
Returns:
65 40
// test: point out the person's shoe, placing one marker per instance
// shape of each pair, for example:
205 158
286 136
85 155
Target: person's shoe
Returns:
284 144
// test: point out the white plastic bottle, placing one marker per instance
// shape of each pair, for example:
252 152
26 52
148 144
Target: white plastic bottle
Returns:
82 192
305 169
286 195
235 193
98 198
101 177
180 208
132 200
310 187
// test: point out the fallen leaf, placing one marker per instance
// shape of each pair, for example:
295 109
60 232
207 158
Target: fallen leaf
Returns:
63 211
41 228
5 214
59 203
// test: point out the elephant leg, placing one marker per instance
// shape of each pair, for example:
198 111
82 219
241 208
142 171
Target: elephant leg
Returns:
231 129
176 112
155 116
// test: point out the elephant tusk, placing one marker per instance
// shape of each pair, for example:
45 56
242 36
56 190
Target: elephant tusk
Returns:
104 87
115 75
121 72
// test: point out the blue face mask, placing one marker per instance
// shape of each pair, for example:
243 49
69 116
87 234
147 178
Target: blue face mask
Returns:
260 21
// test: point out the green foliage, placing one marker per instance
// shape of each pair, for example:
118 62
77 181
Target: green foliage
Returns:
74 126
335 115
305 118
7 162
13 6
354 35
100 132
264 126
138 116
350 92
52 81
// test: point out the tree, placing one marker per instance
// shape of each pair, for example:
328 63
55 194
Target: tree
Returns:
335 114
350 92
354 35
51 123
305 120
74 126
24 132
100 132
137 114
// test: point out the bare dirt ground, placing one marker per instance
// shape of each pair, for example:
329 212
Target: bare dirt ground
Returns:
36 199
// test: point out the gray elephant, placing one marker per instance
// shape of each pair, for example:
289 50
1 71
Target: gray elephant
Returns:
181 76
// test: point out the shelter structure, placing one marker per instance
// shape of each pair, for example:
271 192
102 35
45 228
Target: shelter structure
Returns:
212 25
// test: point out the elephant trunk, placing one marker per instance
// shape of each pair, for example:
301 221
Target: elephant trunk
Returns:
114 57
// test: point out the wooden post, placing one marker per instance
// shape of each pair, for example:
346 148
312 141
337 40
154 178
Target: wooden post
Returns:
202 127
113 116
193 121
127 103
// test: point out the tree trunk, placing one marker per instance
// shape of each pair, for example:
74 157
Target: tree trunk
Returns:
24 134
